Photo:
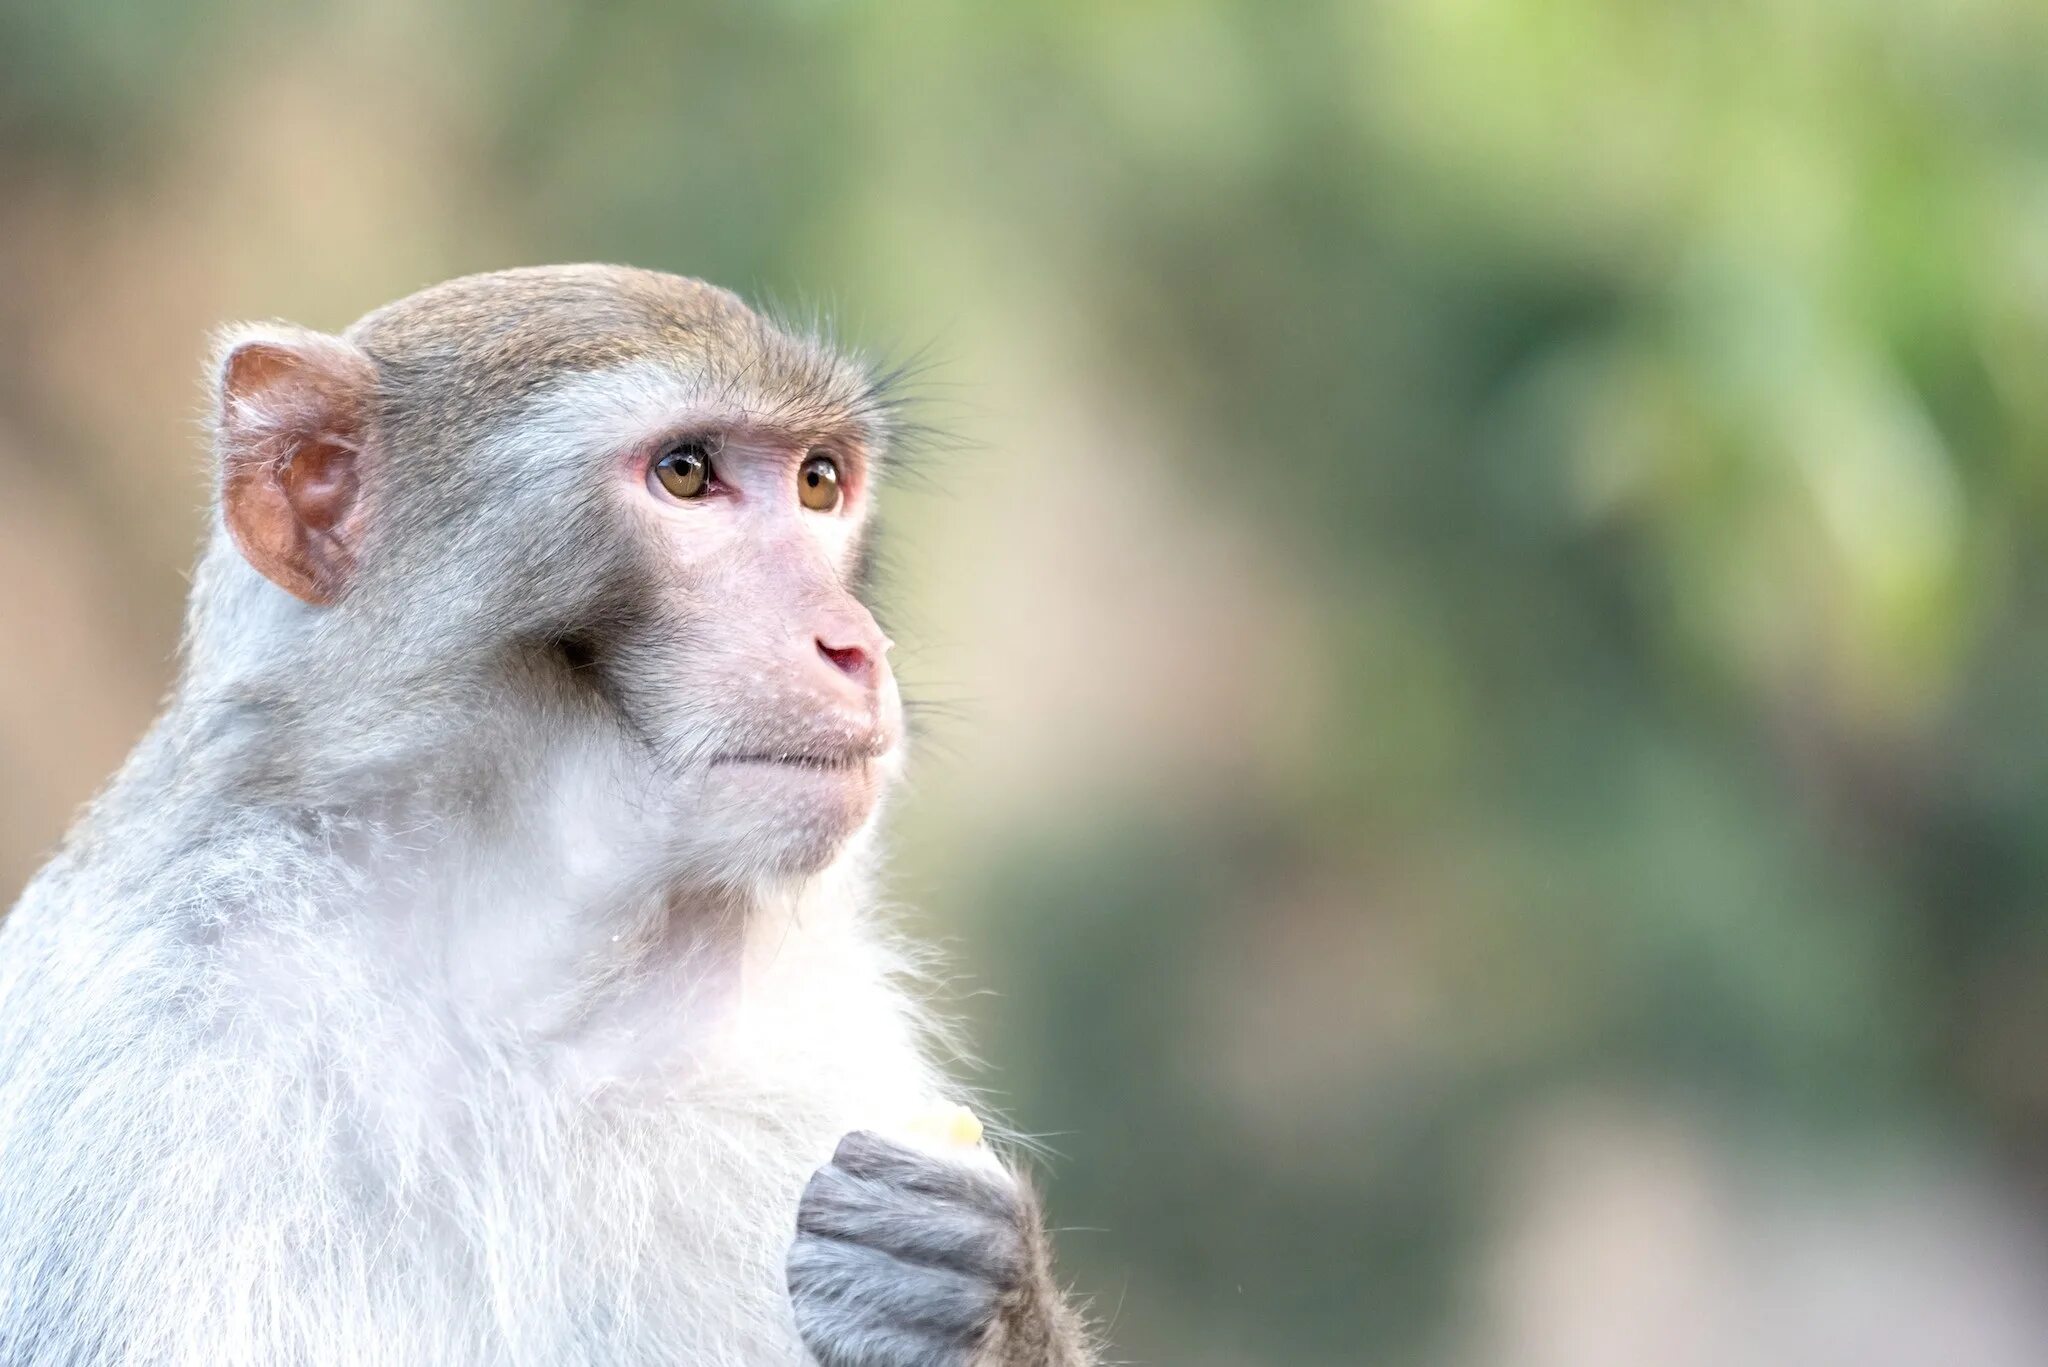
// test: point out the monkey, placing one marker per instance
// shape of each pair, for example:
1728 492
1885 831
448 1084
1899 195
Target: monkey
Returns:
478 961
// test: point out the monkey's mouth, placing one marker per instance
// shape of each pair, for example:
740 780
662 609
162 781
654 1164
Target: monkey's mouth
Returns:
819 761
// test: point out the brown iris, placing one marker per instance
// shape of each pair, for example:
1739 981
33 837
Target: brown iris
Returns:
817 483
685 472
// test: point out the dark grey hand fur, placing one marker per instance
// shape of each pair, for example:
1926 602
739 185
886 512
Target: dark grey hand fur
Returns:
904 1259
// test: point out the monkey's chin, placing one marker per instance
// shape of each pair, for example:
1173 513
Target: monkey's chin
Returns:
797 816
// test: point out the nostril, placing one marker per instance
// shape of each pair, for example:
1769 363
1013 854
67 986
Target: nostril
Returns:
851 661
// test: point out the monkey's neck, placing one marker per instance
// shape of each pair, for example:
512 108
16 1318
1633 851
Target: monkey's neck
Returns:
566 936
668 992
540 908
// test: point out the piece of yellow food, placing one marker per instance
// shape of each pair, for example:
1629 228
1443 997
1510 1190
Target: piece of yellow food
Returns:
954 1125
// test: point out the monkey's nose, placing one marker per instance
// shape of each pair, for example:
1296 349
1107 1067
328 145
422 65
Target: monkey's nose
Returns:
857 661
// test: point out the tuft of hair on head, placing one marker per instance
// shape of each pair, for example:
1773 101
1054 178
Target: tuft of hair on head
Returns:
896 384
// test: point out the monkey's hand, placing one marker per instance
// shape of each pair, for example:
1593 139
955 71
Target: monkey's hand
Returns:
909 1259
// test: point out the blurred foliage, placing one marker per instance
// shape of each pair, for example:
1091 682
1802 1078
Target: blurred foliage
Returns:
1646 407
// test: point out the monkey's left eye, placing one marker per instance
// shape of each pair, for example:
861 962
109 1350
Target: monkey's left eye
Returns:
817 483
685 472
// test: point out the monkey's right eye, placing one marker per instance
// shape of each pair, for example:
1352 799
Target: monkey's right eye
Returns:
685 472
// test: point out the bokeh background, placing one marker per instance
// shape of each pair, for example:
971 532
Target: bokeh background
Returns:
1481 647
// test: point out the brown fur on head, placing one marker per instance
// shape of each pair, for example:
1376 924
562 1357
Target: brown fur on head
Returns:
463 354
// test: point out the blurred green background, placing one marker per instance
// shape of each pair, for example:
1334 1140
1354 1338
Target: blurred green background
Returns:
1482 653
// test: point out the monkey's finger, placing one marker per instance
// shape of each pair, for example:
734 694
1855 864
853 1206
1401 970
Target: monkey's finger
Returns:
866 1154
912 1226
844 1290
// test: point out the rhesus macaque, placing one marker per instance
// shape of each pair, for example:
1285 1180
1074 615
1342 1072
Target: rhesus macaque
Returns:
475 964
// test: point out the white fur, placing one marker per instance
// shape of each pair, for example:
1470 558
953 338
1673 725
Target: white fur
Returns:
513 1141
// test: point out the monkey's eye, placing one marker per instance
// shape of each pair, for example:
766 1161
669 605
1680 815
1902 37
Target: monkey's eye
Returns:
817 483
685 472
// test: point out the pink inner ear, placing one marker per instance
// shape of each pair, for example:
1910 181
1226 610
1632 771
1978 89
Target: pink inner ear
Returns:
292 422
320 484
253 369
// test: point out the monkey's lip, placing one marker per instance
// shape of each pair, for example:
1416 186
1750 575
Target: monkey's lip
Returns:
823 761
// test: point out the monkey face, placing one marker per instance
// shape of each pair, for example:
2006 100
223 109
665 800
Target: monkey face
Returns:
759 679
692 561
613 510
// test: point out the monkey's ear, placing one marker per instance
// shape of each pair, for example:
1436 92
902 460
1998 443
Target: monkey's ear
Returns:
293 428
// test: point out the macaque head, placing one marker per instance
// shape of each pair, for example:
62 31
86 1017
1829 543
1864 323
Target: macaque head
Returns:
583 506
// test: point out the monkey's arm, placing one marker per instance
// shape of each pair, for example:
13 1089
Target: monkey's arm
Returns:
905 1259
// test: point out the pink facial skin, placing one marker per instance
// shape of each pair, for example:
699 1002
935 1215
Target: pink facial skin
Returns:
782 637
